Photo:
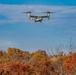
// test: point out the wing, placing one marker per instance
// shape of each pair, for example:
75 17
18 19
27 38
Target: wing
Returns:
39 16
33 16
43 16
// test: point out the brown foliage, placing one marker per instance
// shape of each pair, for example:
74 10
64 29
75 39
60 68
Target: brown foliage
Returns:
70 63
18 62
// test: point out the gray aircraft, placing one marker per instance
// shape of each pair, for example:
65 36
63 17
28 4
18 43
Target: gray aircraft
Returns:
38 18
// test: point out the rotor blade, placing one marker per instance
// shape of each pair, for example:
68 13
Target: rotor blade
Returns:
49 12
26 12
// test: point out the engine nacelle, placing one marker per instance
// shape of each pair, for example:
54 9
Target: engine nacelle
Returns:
48 14
29 15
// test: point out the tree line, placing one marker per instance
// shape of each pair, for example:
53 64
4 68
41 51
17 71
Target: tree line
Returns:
18 62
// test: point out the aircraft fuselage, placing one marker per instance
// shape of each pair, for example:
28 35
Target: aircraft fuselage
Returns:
38 19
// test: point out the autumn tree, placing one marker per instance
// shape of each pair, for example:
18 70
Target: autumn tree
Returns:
70 64
39 56
12 51
26 55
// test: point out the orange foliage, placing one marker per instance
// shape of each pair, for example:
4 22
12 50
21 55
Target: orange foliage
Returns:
70 63
18 62
12 51
39 56
26 55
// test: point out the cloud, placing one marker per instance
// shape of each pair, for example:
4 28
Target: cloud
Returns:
5 44
13 13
